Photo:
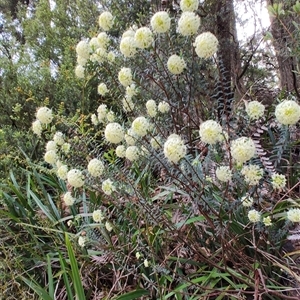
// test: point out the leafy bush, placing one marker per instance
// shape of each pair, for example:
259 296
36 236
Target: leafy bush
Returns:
170 190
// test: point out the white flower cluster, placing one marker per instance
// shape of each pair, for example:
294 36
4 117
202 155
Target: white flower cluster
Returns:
130 137
51 145
223 173
140 126
206 45
132 153
189 5
83 50
50 157
121 151
210 132
37 127
102 113
58 138
174 148
128 46
75 178
128 104
131 90
108 187
247 201
160 22
114 133
125 77
44 115
106 20
151 108
102 89
62 172
287 112
242 149
103 40
278 181
96 167
254 216
69 199
255 110
82 241
188 24
293 215
98 216
252 174
176 64
156 142
143 37
163 107
79 71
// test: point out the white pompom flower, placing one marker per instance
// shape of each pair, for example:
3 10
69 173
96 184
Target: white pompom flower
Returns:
102 112
223 173
75 178
121 151
160 22
51 145
188 24
79 71
69 200
151 108
140 126
83 49
242 149
210 132
189 5
174 148
98 216
287 112
254 216
106 20
143 38
132 153
128 46
252 174
59 138
163 107
247 201
255 110
44 115
206 45
114 133
176 64
125 77
50 157
130 137
96 167
278 181
37 127
103 39
108 187
102 89
62 172
293 215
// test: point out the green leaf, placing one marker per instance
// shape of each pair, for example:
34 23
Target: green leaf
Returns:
74 268
133 295
65 277
37 288
50 277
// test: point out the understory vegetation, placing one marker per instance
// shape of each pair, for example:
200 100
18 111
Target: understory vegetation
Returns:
153 176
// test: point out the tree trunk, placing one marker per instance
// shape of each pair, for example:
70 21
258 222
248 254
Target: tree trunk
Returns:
282 30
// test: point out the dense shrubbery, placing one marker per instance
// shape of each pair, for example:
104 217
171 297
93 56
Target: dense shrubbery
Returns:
165 190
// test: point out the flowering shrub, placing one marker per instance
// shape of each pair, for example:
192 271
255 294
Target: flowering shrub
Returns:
169 173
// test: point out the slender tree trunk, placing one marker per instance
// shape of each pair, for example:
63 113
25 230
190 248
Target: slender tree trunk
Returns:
228 55
282 30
